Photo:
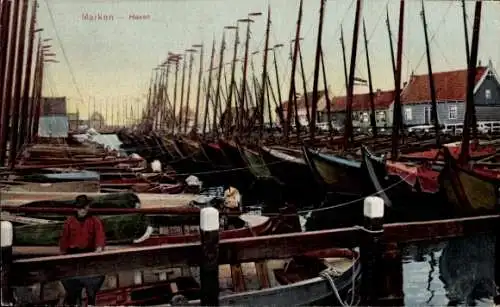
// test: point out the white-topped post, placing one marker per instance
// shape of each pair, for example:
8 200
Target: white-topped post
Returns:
209 268
371 250
7 236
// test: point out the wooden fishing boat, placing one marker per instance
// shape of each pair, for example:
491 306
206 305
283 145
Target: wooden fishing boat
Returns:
289 167
66 198
69 186
329 277
52 175
408 190
469 191
335 173
118 228
256 163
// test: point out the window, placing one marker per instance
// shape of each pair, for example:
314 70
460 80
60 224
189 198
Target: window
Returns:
381 116
487 94
452 112
408 114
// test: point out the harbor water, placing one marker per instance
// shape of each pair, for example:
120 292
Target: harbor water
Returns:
452 273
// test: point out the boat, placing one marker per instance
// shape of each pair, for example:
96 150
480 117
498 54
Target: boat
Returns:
142 200
290 169
469 191
408 190
119 229
335 173
256 163
68 186
331 277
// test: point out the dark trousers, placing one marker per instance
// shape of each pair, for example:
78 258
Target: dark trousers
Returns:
74 286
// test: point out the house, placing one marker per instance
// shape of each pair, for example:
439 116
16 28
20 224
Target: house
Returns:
361 109
302 110
451 89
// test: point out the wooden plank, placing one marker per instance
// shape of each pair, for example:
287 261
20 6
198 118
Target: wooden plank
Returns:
239 250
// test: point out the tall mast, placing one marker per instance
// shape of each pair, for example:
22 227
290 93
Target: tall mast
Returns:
5 106
278 84
233 82
14 140
327 96
217 93
191 60
207 100
244 81
9 80
344 59
304 84
466 32
434 114
373 122
174 114
350 89
397 118
264 73
198 91
291 92
471 76
389 32
32 104
183 78
312 127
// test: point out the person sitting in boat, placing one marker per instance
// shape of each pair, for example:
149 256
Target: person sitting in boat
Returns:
82 233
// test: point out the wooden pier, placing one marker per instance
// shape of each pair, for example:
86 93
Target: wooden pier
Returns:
380 248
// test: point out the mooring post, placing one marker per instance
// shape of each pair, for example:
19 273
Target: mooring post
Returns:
371 250
209 267
7 236
497 265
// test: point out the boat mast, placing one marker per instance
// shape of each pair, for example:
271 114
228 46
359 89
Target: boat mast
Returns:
245 67
391 46
350 89
38 91
174 113
233 81
264 75
304 84
291 93
5 105
279 108
327 96
186 113
312 123
217 93
373 122
344 59
14 140
198 90
434 113
467 54
33 99
183 78
207 100
471 76
397 118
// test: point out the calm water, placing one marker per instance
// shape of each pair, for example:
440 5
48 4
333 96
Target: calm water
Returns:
460 271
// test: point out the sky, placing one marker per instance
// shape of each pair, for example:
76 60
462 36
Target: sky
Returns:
111 61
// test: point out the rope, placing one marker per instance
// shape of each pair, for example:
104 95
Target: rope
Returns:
327 274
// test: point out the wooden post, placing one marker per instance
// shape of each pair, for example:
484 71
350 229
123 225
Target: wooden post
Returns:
497 265
209 268
371 251
7 235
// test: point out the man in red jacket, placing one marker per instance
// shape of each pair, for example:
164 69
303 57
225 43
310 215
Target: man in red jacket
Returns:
82 233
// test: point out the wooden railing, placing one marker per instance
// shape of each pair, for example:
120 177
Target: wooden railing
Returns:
381 242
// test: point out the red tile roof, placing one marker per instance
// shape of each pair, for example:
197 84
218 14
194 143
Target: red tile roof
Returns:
383 99
450 85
